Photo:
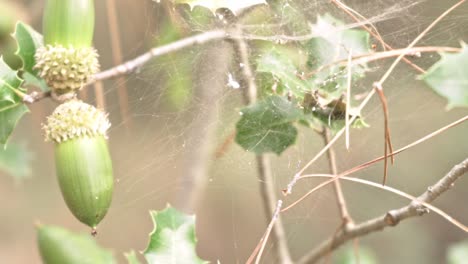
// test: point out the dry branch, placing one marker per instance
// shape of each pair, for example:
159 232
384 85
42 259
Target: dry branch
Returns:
391 218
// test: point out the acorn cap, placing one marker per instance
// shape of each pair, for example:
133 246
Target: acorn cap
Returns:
74 119
66 69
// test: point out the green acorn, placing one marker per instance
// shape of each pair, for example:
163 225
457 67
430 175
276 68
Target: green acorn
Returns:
83 163
67 61
59 246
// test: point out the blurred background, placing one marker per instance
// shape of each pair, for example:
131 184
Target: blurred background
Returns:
172 117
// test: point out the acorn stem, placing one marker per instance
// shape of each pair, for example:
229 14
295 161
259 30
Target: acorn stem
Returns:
69 23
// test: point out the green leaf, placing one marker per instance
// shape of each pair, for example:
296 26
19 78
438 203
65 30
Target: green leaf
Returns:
11 106
449 78
172 240
366 256
28 41
16 160
59 246
132 258
281 66
266 126
458 253
331 45
213 5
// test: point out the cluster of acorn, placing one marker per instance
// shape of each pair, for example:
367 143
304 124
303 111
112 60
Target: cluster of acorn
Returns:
67 62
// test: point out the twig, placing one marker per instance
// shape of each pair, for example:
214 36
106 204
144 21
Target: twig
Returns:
132 65
370 163
261 244
267 187
400 193
391 218
345 216
270 227
374 56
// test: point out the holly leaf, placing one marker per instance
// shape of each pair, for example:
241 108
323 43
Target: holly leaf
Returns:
458 253
58 245
449 79
283 68
213 5
266 126
28 41
333 44
11 106
172 240
15 159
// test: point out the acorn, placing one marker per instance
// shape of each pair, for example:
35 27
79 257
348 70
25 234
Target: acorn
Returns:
59 246
83 163
67 61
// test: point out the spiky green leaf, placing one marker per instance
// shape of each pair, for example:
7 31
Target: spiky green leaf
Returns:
172 240
449 78
11 106
267 126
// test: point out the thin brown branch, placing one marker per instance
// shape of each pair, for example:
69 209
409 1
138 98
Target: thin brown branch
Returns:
387 138
391 218
369 163
132 65
341 201
265 173
374 56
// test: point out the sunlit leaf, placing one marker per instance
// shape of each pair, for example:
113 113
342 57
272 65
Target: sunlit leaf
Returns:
266 126
449 78
58 245
234 6
172 240
15 160
11 106
458 253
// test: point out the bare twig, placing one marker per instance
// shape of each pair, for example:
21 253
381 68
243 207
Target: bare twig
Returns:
391 218
370 163
374 56
270 227
267 187
345 216
400 193
132 65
